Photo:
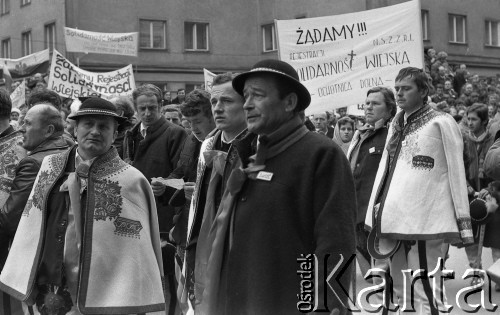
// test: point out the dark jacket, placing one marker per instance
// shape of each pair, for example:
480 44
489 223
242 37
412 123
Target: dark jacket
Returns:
492 169
306 207
186 169
26 172
365 168
155 156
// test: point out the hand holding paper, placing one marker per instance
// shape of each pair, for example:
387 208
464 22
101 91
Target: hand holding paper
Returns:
177 183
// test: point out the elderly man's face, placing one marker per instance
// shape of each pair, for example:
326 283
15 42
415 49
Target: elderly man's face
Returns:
33 129
95 135
264 109
320 121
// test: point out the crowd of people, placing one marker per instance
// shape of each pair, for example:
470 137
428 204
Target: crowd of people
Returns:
209 202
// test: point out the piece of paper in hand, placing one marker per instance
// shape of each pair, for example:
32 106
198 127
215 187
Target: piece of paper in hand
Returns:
177 183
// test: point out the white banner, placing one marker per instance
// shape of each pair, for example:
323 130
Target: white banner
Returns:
339 58
68 80
101 43
18 97
28 65
209 77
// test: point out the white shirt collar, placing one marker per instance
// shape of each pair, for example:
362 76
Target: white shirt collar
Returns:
143 130
79 159
223 139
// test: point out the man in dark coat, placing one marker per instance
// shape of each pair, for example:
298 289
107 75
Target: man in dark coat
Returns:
42 135
198 111
364 155
153 146
218 157
291 200
11 153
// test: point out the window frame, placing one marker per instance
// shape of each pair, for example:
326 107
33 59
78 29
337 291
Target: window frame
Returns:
194 36
274 41
454 30
9 46
4 7
425 24
46 44
151 34
30 42
488 42
25 3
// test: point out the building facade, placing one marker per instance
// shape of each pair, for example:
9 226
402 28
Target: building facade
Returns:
178 38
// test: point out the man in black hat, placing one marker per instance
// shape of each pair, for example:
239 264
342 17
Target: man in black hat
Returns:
88 236
290 201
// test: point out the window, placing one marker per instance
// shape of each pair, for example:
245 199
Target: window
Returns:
4 7
50 36
26 42
269 38
425 25
152 34
492 33
6 48
196 36
25 2
457 25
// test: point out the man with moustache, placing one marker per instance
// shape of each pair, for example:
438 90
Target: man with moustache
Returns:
218 157
293 198
419 198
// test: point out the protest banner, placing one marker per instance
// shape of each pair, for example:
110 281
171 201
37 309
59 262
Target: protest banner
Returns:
27 66
18 97
339 58
101 43
209 77
68 80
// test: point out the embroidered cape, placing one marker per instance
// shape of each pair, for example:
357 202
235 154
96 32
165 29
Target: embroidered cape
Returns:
120 257
11 153
421 182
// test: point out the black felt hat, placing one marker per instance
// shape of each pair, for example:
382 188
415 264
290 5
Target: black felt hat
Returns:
97 106
281 69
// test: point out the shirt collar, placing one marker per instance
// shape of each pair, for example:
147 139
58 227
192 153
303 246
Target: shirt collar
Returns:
79 159
143 130
223 139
